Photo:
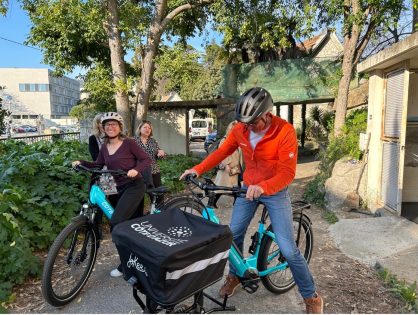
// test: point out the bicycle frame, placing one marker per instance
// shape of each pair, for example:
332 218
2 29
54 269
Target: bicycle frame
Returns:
246 267
98 198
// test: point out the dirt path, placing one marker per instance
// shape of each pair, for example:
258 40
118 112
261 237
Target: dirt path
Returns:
346 285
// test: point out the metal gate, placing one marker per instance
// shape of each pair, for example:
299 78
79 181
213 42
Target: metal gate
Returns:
391 137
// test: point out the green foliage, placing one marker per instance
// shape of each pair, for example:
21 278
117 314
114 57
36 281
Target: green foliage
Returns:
262 28
319 124
3 11
98 82
41 176
345 145
172 167
330 216
39 193
69 33
16 259
181 69
407 292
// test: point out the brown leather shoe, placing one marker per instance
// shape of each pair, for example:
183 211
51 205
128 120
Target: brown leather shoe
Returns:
229 286
314 305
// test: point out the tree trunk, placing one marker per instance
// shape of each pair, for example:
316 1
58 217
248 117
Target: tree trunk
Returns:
351 38
118 64
158 25
148 63
414 19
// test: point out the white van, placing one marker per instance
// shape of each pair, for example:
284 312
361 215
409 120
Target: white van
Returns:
199 128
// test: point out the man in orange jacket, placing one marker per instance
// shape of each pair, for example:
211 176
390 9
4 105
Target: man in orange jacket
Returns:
269 146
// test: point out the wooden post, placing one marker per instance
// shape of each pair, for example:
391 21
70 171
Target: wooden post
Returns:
303 134
186 111
290 114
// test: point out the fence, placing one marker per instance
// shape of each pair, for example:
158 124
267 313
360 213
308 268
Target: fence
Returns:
52 137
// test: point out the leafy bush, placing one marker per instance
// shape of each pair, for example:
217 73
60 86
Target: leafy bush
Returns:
39 193
16 259
345 145
172 167
50 190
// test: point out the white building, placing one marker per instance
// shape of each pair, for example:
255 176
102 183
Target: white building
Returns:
33 93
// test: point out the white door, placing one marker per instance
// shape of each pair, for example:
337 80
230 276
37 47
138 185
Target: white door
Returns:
393 138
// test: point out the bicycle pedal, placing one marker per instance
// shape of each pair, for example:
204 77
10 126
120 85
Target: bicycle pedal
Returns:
251 286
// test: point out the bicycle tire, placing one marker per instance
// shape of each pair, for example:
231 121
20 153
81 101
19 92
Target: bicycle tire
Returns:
186 204
53 276
282 281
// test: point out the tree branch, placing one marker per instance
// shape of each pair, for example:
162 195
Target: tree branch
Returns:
182 8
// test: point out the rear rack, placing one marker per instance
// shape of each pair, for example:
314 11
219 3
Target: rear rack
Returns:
300 205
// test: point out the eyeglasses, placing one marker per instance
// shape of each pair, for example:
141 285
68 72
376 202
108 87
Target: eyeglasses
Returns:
111 124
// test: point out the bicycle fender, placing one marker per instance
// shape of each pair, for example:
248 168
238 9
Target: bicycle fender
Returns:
80 218
298 215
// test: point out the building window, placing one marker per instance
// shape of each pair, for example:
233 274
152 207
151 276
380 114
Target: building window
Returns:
33 116
33 87
16 116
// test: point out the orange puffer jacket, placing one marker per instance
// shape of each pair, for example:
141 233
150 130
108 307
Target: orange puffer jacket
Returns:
272 165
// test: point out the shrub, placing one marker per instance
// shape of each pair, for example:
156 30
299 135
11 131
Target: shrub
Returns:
172 167
39 193
345 145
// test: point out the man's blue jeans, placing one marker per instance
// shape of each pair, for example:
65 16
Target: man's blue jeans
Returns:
280 213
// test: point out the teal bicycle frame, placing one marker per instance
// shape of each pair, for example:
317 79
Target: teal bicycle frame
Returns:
98 198
246 267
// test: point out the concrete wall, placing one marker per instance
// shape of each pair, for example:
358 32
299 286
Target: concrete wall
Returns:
169 129
374 127
26 102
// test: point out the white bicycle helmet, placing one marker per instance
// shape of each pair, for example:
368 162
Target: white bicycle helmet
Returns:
112 116
252 104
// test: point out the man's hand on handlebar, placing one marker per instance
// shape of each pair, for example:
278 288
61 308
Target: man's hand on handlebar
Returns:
75 164
254 192
189 172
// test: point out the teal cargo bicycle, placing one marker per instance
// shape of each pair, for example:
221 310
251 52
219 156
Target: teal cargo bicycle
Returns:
266 262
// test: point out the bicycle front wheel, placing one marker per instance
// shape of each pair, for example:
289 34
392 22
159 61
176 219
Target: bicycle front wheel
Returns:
282 280
186 204
69 262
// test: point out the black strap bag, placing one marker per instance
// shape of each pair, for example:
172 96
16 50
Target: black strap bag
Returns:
172 254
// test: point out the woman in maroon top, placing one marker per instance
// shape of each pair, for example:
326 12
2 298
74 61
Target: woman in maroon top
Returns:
121 153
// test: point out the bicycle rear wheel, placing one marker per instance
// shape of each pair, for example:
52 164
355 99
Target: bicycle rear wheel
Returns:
282 281
69 262
184 203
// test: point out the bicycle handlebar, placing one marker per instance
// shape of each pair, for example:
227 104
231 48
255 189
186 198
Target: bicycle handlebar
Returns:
99 171
191 178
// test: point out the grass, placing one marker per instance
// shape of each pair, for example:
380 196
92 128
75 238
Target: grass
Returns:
406 291
330 216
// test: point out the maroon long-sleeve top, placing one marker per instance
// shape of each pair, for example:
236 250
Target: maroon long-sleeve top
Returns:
127 157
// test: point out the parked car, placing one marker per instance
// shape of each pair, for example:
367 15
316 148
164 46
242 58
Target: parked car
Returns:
29 128
18 129
200 127
210 140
